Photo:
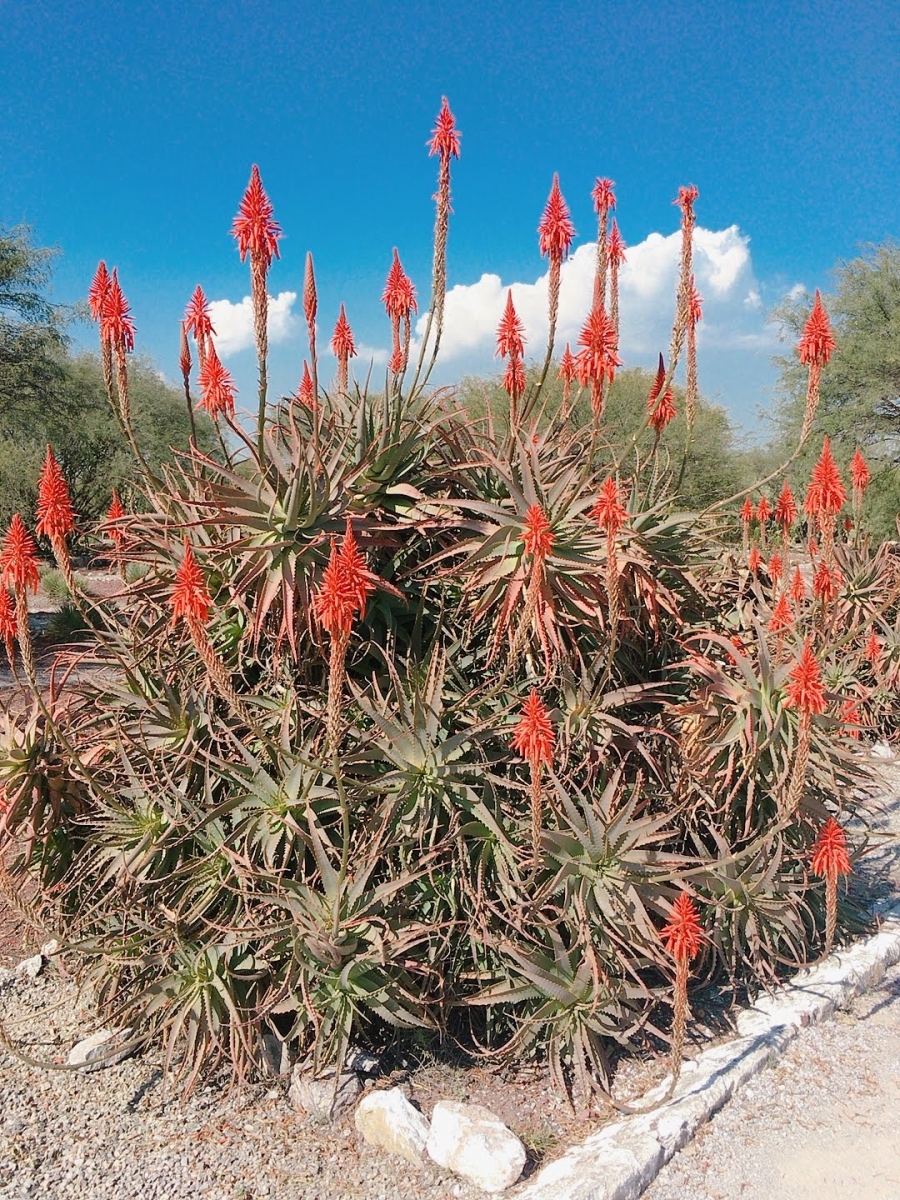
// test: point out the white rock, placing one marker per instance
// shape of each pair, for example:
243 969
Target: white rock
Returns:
101 1049
471 1141
362 1061
30 968
50 949
7 978
387 1119
882 750
317 1096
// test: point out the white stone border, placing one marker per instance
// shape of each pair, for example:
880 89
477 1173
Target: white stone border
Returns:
621 1160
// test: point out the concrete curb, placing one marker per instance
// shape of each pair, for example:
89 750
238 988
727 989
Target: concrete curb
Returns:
621 1160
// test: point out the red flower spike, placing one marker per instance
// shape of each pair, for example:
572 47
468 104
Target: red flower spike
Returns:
825 494
55 514
763 511
115 513
798 587
598 359
335 602
776 567
310 296
567 370
514 377
190 595
18 558
616 246
826 583
609 512
533 736
860 476
217 388
254 229
754 559
445 136
97 291
685 199
829 855
850 715
682 935
8 626
538 534
556 230
786 511
695 303
342 344
660 409
305 390
873 649
805 690
399 296
812 548
782 617
359 579
603 196
817 342
510 340
747 511
116 325
197 320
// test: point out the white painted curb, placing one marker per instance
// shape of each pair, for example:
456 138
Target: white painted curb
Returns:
621 1160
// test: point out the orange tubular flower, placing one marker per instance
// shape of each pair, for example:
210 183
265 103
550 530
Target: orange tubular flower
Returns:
685 200
97 291
55 514
197 320
510 342
343 347
616 247
184 359
556 230
782 617
115 513
805 690
533 736
399 300
7 622
310 296
18 558
825 494
597 361
567 373
609 512
754 559
254 229
860 477
831 860
604 199
603 196
812 548
776 567
826 583
538 534
798 587
763 511
873 649
190 595
445 136
747 511
850 715
360 580
116 323
335 602
514 377
217 388
817 343
683 934
305 392
695 304
785 511
661 408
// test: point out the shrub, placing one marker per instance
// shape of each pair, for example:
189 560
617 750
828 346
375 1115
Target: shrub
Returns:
417 721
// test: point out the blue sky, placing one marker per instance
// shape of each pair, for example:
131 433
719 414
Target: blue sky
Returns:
127 132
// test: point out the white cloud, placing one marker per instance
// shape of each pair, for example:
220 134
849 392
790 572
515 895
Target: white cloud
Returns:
375 355
233 323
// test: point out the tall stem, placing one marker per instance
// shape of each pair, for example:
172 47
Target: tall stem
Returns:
261 332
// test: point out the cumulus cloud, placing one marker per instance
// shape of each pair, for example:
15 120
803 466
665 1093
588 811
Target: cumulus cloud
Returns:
233 323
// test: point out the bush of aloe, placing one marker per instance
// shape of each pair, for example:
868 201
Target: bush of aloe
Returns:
412 721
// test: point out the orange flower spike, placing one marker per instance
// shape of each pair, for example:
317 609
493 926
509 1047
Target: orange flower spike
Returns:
305 390
826 583
798 587
812 548
598 359
399 296
826 494
609 512
603 196
342 343
190 595
695 303
533 736
217 388
7 621
683 934
782 618
514 377
445 136
310 295
860 476
660 409
116 323
55 514
197 320
335 602
510 342
873 649
754 559
776 567
254 229
115 513
97 291
538 534
556 230
685 201
817 341
567 367
359 579
616 246
763 510
830 855
18 558
805 690
785 511
850 715
747 511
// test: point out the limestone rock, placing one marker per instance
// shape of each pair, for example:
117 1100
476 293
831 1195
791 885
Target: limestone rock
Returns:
387 1119
471 1141
102 1049
50 949
316 1096
30 968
